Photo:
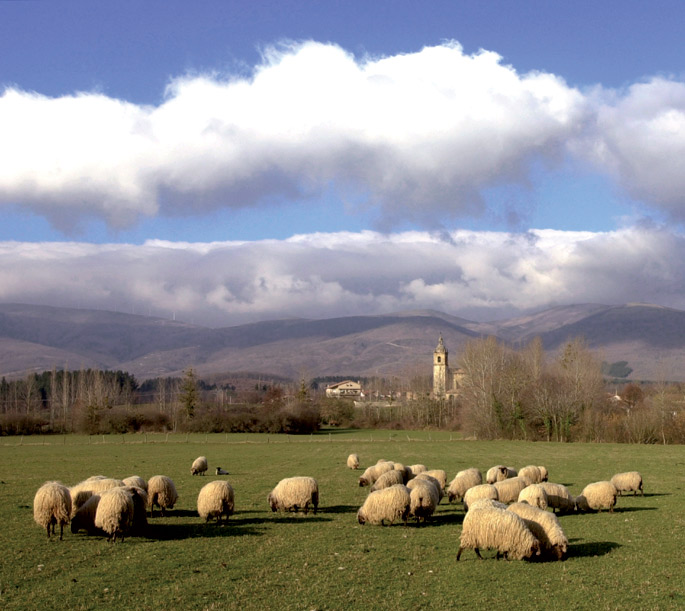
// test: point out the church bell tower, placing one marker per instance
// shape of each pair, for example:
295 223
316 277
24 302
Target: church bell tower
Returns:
440 369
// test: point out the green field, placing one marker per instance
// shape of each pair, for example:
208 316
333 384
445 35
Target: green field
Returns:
633 558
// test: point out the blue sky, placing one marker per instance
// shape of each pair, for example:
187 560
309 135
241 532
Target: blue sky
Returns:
236 161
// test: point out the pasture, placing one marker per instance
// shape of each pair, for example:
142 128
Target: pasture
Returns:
260 560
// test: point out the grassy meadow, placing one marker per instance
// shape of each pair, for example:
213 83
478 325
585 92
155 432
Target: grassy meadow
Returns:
633 558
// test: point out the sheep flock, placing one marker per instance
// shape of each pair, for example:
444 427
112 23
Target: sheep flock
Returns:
512 511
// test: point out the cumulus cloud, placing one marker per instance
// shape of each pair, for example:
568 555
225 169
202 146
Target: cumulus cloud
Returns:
417 135
478 275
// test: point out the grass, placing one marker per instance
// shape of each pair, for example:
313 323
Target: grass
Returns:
631 558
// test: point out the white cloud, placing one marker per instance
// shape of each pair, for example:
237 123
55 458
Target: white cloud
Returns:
472 274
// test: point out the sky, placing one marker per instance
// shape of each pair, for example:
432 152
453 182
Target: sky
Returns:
228 162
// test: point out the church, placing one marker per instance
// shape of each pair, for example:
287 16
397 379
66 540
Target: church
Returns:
446 382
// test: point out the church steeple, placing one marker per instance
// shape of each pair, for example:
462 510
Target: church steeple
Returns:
440 368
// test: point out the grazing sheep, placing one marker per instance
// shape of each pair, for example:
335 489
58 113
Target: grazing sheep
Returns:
543 472
486 503
597 496
414 470
545 526
84 518
353 461
52 506
405 471
295 494
508 490
220 471
161 491
374 472
424 497
482 491
630 481
468 478
82 491
139 497
499 473
440 475
199 466
534 495
532 473
559 497
389 504
495 528
426 477
136 481
215 500
388 479
114 513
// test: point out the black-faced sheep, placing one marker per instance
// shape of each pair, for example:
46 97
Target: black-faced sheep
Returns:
216 499
161 491
199 466
597 496
52 506
386 505
495 528
114 513
499 473
546 528
468 478
371 474
630 481
295 494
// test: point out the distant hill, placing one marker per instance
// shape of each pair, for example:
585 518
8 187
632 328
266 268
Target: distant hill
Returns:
36 338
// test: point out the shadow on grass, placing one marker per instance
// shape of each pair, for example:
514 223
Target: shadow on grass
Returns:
631 509
644 496
591 549
281 519
339 509
175 532
439 519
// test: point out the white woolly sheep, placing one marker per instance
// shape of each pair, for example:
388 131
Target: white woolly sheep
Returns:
161 491
216 499
559 497
499 473
371 474
532 473
135 480
414 470
388 479
386 505
543 473
424 497
468 478
425 476
630 481
52 506
546 528
534 495
482 491
114 513
295 494
84 518
597 496
495 528
486 503
353 461
509 489
440 475
199 466
82 491
220 471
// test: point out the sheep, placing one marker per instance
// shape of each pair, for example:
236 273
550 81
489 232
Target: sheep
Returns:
597 496
531 472
423 498
499 473
84 518
295 494
353 461
82 491
389 504
414 470
545 526
390 478
405 471
371 474
425 476
486 503
114 513
462 482
199 466
220 471
52 506
216 499
543 472
492 527
627 482
534 495
161 491
508 490
482 491
559 497
136 481
440 475
140 499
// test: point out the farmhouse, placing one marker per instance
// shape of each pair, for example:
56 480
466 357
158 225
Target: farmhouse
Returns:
348 388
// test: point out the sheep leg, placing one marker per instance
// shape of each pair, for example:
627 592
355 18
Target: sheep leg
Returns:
475 549
48 529
61 531
459 553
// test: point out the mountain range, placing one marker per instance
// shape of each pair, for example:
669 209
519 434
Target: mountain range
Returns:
651 339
